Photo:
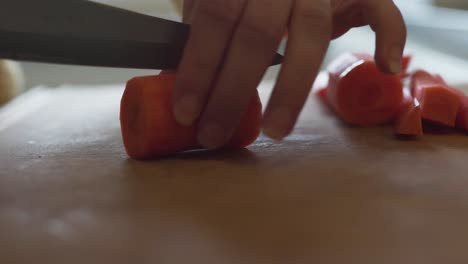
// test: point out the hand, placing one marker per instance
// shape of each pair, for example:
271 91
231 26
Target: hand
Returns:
233 42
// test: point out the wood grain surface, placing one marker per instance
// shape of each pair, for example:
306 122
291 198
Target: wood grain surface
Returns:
328 194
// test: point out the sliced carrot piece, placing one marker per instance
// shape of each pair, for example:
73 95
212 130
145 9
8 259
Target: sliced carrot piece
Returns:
360 93
409 120
425 78
439 103
462 115
149 129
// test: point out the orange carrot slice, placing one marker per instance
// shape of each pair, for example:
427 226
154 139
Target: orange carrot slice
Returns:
462 115
360 93
439 103
149 129
409 120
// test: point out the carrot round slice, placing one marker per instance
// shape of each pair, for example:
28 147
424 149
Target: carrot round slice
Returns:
148 126
439 103
360 93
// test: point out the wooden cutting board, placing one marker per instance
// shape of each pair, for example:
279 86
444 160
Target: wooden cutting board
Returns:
328 194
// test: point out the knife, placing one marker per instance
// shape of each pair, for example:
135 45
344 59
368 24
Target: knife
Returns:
80 32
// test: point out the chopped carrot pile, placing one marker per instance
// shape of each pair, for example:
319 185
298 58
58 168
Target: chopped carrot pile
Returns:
360 94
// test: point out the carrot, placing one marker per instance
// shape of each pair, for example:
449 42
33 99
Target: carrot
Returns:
462 114
149 129
409 120
439 103
360 93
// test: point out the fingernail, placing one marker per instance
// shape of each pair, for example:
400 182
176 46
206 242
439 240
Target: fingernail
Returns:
212 136
187 109
278 123
395 60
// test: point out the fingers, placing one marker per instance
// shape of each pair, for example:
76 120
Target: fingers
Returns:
213 23
252 49
346 18
188 10
387 22
233 42
306 49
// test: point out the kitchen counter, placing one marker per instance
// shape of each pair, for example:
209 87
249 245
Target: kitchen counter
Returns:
328 194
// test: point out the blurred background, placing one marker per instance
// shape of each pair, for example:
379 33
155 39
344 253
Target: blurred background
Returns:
437 29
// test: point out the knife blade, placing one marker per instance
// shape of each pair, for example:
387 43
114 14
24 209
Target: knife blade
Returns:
80 32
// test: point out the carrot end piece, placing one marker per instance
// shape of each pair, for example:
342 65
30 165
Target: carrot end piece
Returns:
148 126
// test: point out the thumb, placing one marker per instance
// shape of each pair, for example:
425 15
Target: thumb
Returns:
386 20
